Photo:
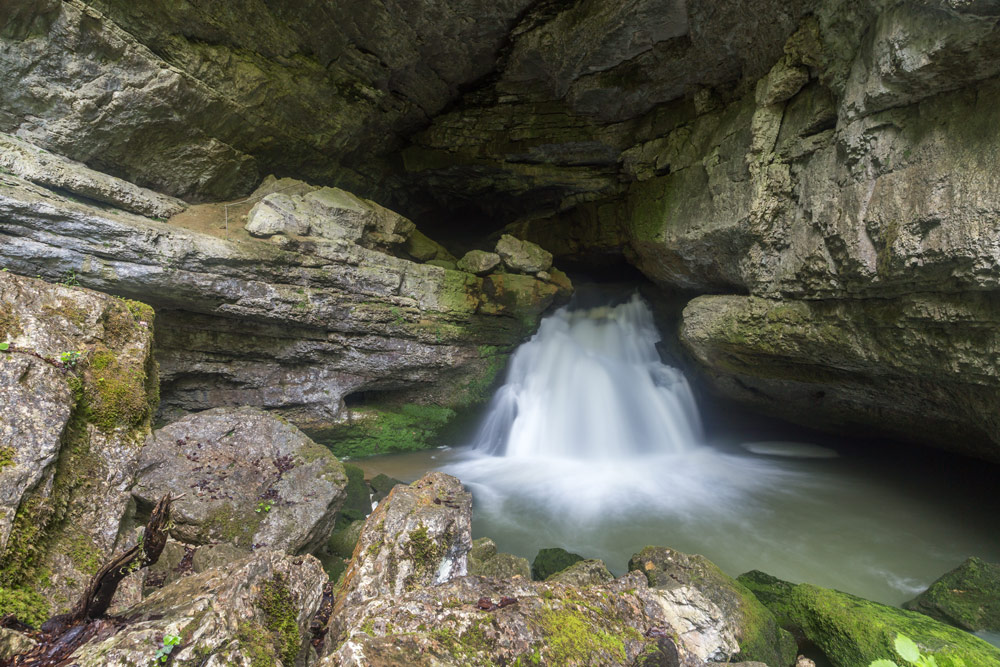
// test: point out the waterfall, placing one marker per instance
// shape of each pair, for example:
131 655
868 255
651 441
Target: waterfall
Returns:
590 385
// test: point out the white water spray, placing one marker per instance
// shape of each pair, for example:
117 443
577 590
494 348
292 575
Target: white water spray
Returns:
590 385
591 424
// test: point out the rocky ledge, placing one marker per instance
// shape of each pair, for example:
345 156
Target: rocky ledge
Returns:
308 301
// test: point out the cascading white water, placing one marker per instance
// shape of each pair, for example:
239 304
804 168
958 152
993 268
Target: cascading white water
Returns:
590 385
594 445
591 423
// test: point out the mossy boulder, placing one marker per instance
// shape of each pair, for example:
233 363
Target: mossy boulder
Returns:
523 256
549 561
357 499
249 479
256 611
853 632
479 262
755 628
967 597
78 385
486 561
583 573
419 535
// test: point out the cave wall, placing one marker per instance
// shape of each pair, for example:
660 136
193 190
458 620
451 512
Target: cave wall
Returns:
829 164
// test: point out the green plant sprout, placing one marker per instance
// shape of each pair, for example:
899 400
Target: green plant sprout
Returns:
4 347
70 359
264 507
163 653
908 651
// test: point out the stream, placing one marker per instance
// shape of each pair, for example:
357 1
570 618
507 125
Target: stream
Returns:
595 445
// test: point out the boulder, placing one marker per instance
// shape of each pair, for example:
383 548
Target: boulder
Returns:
256 611
479 262
754 627
485 561
523 256
462 622
77 391
550 561
423 248
583 573
248 477
967 597
329 213
853 632
418 536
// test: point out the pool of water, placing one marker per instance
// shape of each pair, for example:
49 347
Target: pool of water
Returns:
595 444
878 520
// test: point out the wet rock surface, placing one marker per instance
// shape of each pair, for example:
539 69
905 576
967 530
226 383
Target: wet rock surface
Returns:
755 628
247 477
454 619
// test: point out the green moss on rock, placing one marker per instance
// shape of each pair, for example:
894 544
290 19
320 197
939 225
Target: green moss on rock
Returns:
757 631
572 638
10 323
551 561
853 632
117 392
277 635
967 597
25 605
382 430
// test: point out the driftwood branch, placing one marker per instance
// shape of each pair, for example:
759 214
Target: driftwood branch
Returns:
96 599
60 636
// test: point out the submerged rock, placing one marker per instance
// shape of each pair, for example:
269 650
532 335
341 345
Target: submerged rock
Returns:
523 256
77 390
550 561
967 597
755 628
381 485
853 632
248 478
